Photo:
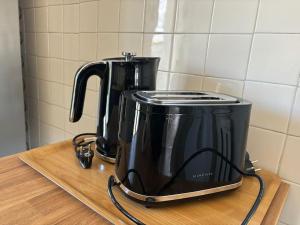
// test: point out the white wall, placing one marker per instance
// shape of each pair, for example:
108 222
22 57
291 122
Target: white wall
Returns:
246 48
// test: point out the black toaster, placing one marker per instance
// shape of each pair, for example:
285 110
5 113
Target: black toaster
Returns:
168 142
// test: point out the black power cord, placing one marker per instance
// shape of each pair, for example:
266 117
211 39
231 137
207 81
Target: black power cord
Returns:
81 138
112 182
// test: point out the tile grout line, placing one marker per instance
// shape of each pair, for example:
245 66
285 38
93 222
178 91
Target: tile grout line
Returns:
252 34
291 182
206 75
203 75
151 32
208 41
119 22
287 131
97 39
176 9
143 30
63 53
275 131
251 46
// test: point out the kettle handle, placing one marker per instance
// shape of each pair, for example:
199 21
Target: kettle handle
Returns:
80 81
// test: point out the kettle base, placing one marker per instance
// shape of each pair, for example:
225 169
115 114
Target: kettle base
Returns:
105 158
174 197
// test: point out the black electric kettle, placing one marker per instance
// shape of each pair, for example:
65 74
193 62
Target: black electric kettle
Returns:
117 74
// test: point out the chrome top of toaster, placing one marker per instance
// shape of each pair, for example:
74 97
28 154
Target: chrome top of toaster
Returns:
184 97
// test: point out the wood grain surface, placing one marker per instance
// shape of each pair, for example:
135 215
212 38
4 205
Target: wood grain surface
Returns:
27 198
58 163
276 206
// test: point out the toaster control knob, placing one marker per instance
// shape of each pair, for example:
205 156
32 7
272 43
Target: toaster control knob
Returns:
128 55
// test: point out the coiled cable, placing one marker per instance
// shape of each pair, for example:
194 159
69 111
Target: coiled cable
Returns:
112 182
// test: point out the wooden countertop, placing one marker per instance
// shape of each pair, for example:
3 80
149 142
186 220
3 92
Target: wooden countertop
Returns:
26 197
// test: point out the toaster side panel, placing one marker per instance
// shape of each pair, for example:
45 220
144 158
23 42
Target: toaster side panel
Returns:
165 154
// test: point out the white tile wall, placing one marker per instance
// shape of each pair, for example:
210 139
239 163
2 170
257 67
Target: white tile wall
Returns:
71 46
51 114
88 16
272 104
55 2
162 80
185 82
67 96
281 223
132 15
39 3
194 16
87 46
55 18
226 86
72 128
294 127
266 147
132 42
159 15
42 48
158 44
290 214
108 45
234 16
275 58
109 11
55 72
289 168
244 48
69 69
56 45
279 16
42 67
51 92
50 134
227 55
41 18
189 53
71 18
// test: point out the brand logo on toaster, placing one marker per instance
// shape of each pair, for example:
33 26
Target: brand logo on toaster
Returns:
204 174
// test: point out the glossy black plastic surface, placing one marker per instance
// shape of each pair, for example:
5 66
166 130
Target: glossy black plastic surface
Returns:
157 140
79 87
117 75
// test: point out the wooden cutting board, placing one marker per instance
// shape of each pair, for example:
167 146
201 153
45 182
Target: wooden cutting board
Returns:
58 163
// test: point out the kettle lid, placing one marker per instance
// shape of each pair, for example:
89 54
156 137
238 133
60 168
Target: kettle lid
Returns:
128 56
131 57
